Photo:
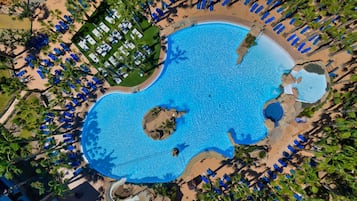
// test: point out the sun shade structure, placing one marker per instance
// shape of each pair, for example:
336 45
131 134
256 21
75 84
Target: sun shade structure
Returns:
274 112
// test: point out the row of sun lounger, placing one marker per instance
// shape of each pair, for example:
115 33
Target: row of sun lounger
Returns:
222 182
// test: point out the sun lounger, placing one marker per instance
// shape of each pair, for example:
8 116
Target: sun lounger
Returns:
297 197
203 5
81 96
69 107
198 5
68 19
58 28
39 72
69 148
300 146
211 5
205 179
280 10
301 46
57 51
63 25
277 27
85 91
43 127
52 56
260 185
269 2
292 21
160 12
222 184
316 40
217 190
65 47
291 37
225 2
246 2
78 171
306 50
68 135
295 41
293 151
260 8
75 163
265 15
155 17
253 7
265 180
277 3
277 168
21 73
304 29
47 119
65 120
282 163
66 126
269 20
312 37
271 175
74 57
75 102
210 173
227 178
287 155
68 114
67 140
96 80
282 28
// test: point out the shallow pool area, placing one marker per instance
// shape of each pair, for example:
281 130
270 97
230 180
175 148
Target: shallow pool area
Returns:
200 76
312 86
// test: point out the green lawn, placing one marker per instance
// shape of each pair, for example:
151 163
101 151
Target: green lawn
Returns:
5 98
150 38
25 133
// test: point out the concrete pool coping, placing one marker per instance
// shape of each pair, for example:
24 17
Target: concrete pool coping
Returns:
156 75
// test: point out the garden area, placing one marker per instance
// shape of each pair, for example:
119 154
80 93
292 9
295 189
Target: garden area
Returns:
6 95
123 46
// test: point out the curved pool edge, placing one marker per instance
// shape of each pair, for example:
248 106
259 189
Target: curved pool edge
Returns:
160 70
203 20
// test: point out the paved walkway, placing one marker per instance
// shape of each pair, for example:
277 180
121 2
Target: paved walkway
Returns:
6 115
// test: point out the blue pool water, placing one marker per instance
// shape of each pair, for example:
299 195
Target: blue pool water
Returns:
201 77
312 86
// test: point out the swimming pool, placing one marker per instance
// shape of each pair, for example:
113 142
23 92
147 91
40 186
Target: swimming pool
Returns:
312 86
201 77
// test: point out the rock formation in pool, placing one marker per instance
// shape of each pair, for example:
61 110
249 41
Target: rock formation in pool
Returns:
159 123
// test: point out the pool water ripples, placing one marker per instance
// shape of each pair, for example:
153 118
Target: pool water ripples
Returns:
202 78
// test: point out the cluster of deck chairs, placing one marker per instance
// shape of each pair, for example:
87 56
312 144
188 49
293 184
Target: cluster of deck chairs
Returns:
283 163
223 182
63 26
203 4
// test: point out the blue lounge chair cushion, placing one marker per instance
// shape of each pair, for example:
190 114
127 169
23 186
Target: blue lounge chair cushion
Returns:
204 179
305 50
225 2
277 168
282 163
269 20
302 138
198 5
265 15
294 151
210 172
203 5
254 6
260 8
